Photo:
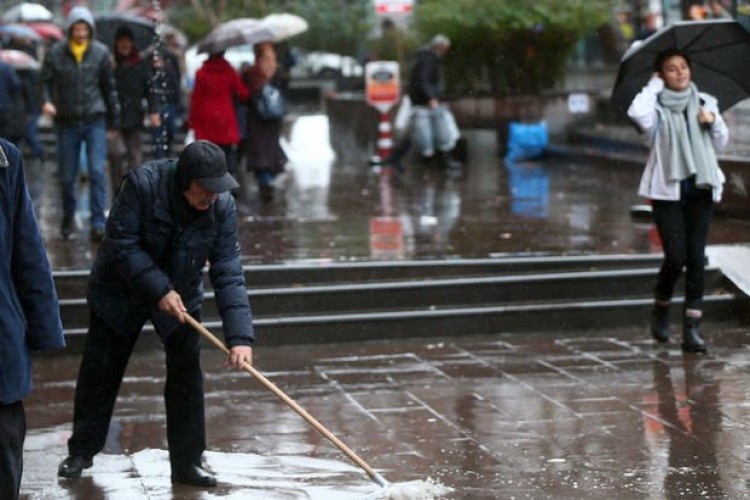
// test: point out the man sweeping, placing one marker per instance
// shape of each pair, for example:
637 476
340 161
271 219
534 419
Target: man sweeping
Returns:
169 218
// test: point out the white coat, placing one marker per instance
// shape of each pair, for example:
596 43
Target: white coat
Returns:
646 111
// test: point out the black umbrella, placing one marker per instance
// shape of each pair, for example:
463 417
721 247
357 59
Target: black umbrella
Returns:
718 49
107 24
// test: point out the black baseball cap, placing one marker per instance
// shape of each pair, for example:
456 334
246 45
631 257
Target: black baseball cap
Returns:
205 162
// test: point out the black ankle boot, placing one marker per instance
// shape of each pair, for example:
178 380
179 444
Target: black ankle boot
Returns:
660 323
692 340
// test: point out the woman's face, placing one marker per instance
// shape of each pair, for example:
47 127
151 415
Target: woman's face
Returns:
676 73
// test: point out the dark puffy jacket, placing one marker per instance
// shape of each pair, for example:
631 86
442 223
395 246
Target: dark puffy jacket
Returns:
425 81
81 92
145 253
29 312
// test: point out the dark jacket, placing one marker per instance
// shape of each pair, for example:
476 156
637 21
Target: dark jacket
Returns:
81 92
10 85
425 80
263 149
29 311
12 123
146 252
133 79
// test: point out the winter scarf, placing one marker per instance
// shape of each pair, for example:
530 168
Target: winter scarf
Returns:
683 143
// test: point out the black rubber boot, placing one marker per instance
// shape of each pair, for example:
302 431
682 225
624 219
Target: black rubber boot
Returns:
692 340
660 323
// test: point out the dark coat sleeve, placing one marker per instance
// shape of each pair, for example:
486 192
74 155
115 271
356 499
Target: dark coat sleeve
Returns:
425 81
29 311
32 274
109 92
227 278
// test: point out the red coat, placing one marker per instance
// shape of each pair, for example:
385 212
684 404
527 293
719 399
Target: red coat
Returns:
212 112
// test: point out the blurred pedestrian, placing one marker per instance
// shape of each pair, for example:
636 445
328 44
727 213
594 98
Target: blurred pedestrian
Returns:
168 219
133 80
212 113
240 109
32 98
683 180
11 104
717 10
649 26
29 308
286 58
80 93
265 158
166 82
425 90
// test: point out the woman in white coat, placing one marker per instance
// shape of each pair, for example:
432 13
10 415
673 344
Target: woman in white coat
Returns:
683 180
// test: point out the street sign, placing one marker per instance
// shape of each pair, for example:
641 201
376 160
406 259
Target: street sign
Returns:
382 84
391 7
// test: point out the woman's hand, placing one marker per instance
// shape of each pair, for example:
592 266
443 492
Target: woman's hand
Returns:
706 117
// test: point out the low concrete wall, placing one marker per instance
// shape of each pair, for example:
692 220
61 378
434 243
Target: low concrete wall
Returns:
354 124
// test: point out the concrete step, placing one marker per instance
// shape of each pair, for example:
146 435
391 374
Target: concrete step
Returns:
441 301
561 317
72 283
428 295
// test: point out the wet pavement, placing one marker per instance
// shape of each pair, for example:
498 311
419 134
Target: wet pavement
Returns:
505 416
325 211
606 414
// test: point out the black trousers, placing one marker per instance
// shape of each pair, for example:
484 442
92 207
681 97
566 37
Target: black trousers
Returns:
103 365
12 435
683 228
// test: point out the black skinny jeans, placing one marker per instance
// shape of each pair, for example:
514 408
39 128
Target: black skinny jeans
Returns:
103 365
683 228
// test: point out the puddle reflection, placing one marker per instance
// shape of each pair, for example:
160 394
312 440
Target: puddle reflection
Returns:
686 401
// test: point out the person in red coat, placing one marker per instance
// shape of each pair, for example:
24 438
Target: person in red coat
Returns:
212 106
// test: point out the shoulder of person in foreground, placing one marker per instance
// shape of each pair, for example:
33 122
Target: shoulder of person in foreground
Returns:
30 266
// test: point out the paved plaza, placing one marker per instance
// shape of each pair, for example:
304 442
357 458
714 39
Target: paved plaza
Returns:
607 415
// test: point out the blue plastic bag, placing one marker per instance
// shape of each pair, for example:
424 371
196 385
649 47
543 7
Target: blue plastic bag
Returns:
527 141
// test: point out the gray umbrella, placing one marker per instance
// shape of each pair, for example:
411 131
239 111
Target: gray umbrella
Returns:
27 12
718 49
249 31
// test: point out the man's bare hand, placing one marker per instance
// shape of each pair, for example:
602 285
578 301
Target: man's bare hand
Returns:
239 355
172 304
